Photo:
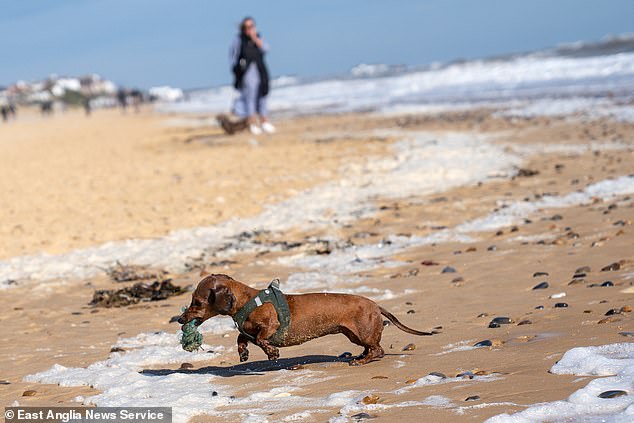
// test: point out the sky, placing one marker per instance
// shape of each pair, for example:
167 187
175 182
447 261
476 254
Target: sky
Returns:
184 43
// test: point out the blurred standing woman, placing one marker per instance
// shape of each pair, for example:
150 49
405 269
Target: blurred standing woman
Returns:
251 79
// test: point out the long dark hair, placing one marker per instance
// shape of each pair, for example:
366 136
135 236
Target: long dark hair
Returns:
244 22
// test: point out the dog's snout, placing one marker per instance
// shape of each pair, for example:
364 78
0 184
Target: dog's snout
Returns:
181 320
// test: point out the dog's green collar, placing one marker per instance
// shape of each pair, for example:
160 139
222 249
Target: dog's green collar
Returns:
272 295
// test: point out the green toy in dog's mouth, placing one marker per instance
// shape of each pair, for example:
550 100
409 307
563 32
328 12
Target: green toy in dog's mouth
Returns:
191 339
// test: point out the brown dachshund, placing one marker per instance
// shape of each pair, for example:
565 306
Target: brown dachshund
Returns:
312 316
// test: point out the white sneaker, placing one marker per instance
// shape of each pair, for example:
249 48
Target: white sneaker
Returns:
268 128
254 129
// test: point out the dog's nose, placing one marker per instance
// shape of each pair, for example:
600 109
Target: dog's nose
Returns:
181 320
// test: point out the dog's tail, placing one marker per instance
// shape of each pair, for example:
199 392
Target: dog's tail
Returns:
402 327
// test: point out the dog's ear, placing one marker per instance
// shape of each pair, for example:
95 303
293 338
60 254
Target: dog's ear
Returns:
222 299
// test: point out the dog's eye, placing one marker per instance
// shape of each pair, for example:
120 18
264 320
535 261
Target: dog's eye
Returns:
196 303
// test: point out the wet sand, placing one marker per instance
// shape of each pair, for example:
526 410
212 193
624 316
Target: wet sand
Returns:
124 165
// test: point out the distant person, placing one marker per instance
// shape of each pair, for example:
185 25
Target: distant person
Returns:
251 79
4 110
137 99
86 104
122 99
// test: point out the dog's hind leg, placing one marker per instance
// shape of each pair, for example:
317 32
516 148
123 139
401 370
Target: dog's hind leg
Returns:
367 335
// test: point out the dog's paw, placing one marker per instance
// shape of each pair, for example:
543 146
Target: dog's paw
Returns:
354 362
244 356
274 356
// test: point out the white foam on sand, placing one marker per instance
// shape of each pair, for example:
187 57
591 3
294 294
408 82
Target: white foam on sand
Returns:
615 361
421 163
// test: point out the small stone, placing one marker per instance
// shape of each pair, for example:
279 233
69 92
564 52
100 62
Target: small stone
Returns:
538 274
583 269
471 249
539 307
465 375
448 269
492 248
587 311
613 311
626 309
494 325
541 285
187 366
525 322
611 267
346 354
561 305
608 319
485 343
5 382
379 377
502 320
411 311
429 263
214 394
29 393
627 334
499 233
362 416
558 295
409 347
116 349
295 367
612 394
579 275
386 323
411 381
457 279
370 399
438 374
472 398
607 283
483 315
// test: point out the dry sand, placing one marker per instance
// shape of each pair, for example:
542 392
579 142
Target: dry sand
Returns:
70 182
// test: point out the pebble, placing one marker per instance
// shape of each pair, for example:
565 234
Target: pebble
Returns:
613 311
558 295
525 322
485 343
5 382
607 283
541 285
429 263
29 393
538 274
612 394
580 275
472 398
583 269
295 367
362 416
471 250
346 354
466 375
214 394
539 307
627 334
448 269
411 311
497 321
492 248
611 267
561 305
187 366
409 347
116 349
608 319
410 381
438 374
457 279
379 377
370 399
483 315
626 309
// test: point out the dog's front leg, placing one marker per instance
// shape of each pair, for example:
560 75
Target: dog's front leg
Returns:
271 352
242 348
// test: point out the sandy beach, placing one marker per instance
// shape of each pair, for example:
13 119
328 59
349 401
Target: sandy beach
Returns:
556 206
